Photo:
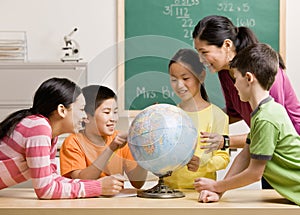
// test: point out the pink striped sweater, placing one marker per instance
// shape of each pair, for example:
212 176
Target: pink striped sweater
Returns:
29 153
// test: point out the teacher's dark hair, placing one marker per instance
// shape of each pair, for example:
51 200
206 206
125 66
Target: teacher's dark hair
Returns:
190 59
49 95
215 29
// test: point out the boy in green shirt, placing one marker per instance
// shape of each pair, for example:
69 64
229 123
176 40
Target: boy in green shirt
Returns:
273 149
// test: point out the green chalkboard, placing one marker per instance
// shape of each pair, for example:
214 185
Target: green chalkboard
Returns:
151 31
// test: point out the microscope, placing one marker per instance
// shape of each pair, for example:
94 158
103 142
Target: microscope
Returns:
71 48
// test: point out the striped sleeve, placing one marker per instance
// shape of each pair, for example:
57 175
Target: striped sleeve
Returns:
39 153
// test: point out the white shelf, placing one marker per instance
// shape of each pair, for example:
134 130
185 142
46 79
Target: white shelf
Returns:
13 46
20 80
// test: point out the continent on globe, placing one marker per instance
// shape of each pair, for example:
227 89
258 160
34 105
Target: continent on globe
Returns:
162 138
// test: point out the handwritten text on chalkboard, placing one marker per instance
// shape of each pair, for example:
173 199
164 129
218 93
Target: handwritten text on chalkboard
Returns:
154 30
180 9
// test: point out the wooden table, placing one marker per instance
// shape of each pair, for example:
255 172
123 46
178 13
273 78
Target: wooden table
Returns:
22 201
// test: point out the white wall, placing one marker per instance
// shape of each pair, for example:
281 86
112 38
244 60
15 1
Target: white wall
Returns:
293 43
48 21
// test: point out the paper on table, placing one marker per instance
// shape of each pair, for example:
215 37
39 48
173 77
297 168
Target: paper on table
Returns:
119 176
127 192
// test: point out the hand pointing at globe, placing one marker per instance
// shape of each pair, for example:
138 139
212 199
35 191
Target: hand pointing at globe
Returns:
119 141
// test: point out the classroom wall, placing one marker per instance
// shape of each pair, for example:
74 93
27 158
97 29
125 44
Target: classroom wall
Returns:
293 43
46 22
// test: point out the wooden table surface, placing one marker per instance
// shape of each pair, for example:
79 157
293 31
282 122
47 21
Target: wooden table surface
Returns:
15 201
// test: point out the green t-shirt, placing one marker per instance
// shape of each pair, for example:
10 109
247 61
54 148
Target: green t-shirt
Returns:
274 138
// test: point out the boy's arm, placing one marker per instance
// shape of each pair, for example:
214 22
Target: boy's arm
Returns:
94 171
239 164
251 174
243 171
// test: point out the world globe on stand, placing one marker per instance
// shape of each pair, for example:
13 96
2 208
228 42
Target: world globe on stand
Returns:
162 138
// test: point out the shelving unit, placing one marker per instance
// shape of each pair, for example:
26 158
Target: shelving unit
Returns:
13 46
19 81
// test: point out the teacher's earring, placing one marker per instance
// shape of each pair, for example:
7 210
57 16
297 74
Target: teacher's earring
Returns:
227 44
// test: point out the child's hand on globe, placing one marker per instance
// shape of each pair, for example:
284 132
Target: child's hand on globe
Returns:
119 141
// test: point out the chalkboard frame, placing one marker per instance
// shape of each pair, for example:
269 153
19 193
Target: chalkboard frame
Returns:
121 52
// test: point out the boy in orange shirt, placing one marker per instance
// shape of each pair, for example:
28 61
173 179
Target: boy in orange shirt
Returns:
99 150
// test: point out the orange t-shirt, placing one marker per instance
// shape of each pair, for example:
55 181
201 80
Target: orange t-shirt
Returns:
78 152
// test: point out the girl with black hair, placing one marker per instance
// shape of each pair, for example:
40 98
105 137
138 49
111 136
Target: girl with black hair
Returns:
28 144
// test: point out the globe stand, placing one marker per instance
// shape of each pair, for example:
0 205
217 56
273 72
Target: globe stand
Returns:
160 191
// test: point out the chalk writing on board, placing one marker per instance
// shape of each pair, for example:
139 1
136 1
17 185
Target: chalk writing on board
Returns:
238 7
180 9
231 7
165 91
154 30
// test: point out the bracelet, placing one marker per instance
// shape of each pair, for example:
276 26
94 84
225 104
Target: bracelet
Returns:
226 144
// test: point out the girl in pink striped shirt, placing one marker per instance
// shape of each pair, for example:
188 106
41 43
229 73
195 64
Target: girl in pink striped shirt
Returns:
28 144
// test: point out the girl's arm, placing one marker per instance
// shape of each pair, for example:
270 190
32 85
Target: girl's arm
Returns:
46 182
219 160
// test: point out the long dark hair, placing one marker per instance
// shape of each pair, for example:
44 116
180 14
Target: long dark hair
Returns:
95 95
215 29
49 95
191 60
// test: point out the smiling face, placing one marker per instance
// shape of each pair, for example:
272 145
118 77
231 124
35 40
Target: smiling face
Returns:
75 115
106 117
213 57
242 85
183 82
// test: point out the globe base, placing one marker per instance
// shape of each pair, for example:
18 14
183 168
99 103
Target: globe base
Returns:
160 191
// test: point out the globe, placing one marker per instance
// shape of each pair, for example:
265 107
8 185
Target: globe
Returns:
162 138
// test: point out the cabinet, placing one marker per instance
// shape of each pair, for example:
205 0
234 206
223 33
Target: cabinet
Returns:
20 80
